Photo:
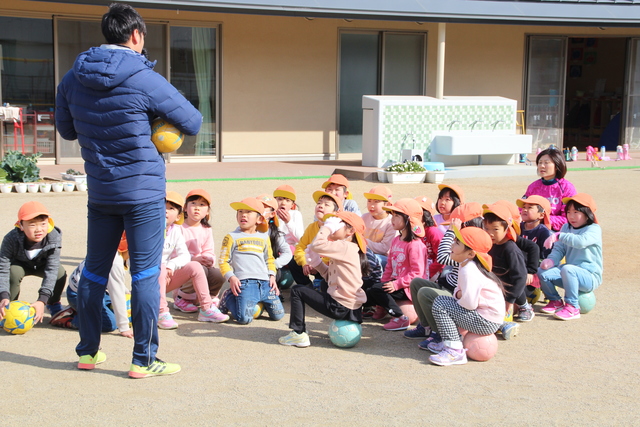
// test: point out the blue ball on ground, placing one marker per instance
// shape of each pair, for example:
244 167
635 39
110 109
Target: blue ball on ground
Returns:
344 333
587 301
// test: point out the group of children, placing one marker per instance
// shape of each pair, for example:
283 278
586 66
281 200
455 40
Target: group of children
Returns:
457 264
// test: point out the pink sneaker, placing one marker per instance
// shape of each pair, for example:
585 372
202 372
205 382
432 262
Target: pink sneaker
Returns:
184 305
165 321
552 307
398 324
380 313
568 312
212 315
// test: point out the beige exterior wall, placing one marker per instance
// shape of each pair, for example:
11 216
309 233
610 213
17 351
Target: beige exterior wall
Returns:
279 75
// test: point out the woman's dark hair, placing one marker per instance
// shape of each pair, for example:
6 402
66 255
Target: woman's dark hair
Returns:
454 196
581 208
119 22
203 221
475 222
490 218
427 219
557 158
409 234
364 261
335 205
274 234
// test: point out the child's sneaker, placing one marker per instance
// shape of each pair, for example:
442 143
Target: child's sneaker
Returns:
295 339
380 313
158 367
368 311
165 321
215 301
54 308
436 346
397 324
526 314
63 318
184 305
534 296
88 362
449 356
222 305
552 307
433 337
509 330
419 332
212 315
568 312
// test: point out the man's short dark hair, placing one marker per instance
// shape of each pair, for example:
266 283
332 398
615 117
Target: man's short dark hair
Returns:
119 22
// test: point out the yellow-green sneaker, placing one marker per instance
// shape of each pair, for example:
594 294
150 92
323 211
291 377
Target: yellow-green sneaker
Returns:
88 362
156 368
294 338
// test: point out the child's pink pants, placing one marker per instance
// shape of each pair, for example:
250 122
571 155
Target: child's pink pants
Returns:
192 272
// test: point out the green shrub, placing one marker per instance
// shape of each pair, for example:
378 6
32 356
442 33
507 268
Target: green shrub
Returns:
406 167
21 168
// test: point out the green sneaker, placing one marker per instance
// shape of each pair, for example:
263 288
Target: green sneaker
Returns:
294 338
156 368
88 362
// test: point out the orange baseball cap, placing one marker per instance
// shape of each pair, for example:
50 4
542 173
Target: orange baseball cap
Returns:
453 188
200 192
249 204
269 202
320 193
356 222
32 210
478 240
515 213
379 193
413 210
502 212
426 204
175 197
540 201
585 200
285 191
336 178
465 212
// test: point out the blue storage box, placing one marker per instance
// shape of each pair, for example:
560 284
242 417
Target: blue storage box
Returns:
433 166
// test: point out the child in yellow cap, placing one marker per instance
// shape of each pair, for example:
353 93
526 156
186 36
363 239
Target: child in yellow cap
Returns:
32 248
246 261
290 217
379 231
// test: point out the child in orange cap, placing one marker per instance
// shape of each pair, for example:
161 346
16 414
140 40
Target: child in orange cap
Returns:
340 239
199 238
281 250
178 268
338 185
579 242
379 231
32 248
536 223
431 239
247 262
450 197
508 262
477 304
326 203
290 217
406 262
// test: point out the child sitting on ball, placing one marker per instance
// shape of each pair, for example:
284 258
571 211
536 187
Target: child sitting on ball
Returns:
579 241
341 239
477 304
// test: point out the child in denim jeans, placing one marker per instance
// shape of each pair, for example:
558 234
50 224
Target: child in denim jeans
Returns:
247 262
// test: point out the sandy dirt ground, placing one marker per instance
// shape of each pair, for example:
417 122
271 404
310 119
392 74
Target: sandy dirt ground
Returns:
584 372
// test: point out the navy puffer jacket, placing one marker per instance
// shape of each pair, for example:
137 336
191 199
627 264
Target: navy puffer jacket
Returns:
107 102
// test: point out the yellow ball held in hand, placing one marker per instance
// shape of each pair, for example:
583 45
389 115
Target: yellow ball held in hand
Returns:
165 136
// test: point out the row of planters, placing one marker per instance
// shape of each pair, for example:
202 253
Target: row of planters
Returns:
20 173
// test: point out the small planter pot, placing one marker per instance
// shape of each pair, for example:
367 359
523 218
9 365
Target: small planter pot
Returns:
21 187
406 177
81 186
57 187
45 187
69 186
6 188
76 178
435 177
33 187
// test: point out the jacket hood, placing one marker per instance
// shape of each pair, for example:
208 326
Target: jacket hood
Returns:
106 67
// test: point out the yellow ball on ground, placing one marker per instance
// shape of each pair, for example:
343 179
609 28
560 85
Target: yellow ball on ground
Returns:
165 136
18 317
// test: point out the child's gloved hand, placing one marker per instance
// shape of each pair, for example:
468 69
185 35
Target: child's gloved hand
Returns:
548 244
312 257
334 224
546 264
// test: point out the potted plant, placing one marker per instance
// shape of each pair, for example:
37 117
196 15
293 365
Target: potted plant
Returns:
57 187
5 186
405 173
74 175
435 175
21 168
45 187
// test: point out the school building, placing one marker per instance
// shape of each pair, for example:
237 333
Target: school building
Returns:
284 79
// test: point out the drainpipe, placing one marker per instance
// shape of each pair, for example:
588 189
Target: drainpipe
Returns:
442 35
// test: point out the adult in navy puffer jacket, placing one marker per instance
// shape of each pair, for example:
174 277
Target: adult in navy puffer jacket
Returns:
107 102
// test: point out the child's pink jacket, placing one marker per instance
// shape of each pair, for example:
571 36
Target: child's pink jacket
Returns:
406 261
